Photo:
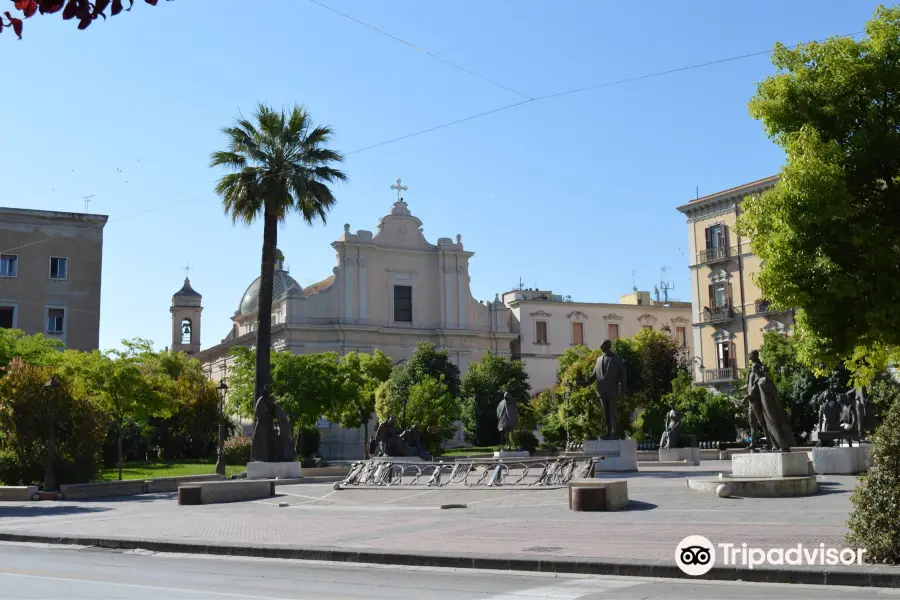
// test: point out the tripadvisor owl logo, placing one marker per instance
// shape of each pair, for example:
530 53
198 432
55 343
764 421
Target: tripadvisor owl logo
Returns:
695 555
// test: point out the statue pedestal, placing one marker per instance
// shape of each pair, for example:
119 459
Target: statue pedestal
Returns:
273 470
841 460
770 464
504 454
618 455
690 456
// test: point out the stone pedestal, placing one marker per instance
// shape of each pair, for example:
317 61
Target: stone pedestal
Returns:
770 464
619 455
273 470
841 460
508 454
690 456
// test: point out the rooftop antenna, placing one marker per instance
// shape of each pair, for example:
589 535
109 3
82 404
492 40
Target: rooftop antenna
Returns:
87 201
521 285
664 285
698 192
633 281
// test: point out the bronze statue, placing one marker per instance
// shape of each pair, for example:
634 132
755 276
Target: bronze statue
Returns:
761 388
507 418
267 444
671 437
609 373
849 423
410 437
865 416
829 415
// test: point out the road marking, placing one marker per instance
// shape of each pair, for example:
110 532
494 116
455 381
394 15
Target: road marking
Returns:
138 586
408 497
568 590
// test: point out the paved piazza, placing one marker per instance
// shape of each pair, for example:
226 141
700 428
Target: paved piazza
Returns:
523 522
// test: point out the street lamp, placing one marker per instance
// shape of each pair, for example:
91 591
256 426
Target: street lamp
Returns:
222 389
52 387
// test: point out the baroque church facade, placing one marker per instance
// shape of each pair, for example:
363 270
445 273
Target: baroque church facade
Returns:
389 290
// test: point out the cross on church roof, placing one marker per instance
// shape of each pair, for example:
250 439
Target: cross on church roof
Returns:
400 189
187 269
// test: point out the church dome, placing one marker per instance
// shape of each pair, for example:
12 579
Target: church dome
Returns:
281 287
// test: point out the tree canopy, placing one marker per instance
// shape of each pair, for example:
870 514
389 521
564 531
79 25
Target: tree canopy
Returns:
482 388
84 12
826 234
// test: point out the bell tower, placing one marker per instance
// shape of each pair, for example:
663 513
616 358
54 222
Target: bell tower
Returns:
186 309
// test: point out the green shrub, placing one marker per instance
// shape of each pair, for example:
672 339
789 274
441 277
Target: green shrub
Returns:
308 439
526 441
237 450
875 520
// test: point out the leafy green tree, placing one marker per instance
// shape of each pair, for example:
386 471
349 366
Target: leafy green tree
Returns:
705 414
826 244
361 375
281 164
116 383
425 361
482 388
32 349
430 406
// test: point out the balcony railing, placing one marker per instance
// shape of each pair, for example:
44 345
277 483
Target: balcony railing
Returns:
764 307
712 255
718 314
719 375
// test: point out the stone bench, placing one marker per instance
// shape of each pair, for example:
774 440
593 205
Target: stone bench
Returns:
597 494
217 492
18 493
171 484
105 489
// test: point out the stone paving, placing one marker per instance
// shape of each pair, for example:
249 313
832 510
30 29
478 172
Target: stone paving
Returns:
524 522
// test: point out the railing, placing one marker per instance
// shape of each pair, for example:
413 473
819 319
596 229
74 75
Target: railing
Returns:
765 307
711 255
718 314
723 374
470 473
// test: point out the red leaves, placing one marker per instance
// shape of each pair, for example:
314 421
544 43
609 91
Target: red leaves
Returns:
84 11
28 7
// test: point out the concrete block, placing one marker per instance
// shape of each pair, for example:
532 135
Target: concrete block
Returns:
128 487
171 484
273 470
841 460
217 492
758 487
709 454
615 492
619 455
17 493
770 464
326 472
690 455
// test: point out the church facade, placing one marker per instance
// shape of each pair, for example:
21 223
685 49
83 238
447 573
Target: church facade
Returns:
389 290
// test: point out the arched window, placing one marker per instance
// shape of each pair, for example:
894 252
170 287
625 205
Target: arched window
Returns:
187 330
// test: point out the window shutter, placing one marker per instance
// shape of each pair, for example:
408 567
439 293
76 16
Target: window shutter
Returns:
708 239
725 235
712 295
729 298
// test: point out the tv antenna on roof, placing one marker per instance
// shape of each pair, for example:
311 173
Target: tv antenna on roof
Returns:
521 285
87 201
664 286
633 281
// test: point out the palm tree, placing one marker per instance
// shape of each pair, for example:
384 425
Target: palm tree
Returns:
280 164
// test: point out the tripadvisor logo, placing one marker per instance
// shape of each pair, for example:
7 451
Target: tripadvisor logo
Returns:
695 555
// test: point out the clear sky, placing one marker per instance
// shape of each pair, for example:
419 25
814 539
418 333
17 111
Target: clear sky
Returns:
570 194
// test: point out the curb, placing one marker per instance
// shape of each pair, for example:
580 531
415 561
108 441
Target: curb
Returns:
865 576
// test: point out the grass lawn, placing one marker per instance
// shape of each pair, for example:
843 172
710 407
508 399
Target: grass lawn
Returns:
151 469
471 451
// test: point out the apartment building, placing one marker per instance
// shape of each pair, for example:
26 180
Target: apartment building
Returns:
547 324
50 265
729 313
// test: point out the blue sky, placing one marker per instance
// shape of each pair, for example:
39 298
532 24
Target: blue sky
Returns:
571 194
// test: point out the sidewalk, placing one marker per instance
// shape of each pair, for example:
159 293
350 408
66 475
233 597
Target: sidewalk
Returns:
500 528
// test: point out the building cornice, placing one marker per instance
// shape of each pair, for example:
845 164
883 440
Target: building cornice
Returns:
726 199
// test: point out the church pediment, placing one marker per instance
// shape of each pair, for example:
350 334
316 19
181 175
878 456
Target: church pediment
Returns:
401 229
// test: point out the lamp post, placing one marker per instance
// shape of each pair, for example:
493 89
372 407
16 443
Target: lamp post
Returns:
52 387
222 390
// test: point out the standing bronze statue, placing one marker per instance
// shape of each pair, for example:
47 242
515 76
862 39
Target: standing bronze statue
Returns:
671 437
507 418
269 445
609 373
761 392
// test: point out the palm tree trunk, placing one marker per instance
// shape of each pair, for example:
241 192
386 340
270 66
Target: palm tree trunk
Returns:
264 317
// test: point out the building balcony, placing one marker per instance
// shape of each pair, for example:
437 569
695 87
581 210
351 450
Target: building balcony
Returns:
718 314
764 307
723 375
714 255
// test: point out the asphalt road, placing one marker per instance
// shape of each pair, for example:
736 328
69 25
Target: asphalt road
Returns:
75 573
